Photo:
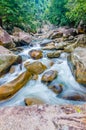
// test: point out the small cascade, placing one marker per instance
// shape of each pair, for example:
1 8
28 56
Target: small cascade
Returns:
37 89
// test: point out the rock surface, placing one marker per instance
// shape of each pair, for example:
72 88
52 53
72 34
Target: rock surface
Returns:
43 117
33 101
36 67
20 37
56 88
54 54
9 89
5 39
75 96
7 58
78 64
49 76
36 54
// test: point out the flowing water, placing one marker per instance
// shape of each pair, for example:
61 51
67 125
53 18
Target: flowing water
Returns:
37 89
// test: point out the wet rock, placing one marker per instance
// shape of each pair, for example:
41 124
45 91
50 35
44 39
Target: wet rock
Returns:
36 54
56 88
35 77
36 67
33 101
9 89
17 50
46 42
55 54
50 47
51 63
5 39
7 58
56 35
12 70
81 27
70 48
49 76
51 117
74 96
18 60
81 40
20 37
26 64
77 60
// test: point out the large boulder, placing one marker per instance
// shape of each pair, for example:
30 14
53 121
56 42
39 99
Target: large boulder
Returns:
78 64
36 54
36 67
43 117
9 89
49 76
7 58
5 39
20 37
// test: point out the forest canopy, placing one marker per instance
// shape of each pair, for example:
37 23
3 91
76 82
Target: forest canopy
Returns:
31 13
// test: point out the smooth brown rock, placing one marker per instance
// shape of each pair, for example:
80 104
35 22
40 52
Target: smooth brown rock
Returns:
49 76
5 39
56 35
33 101
75 96
57 88
55 54
7 58
50 47
78 64
36 54
36 67
43 117
9 89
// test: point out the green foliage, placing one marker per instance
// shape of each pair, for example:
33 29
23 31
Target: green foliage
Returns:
56 12
66 12
19 13
31 13
76 11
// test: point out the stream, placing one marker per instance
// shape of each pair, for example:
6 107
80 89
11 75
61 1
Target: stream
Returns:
37 89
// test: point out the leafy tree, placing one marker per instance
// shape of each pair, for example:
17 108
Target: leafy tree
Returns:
17 13
76 11
56 12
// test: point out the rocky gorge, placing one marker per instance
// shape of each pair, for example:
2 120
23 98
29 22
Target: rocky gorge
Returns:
43 68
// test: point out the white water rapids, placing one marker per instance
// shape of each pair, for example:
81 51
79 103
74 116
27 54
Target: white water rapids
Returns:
37 89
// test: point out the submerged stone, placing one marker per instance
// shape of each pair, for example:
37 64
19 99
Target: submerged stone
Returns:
33 101
49 76
57 88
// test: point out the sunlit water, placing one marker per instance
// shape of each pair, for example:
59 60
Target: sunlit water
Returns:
37 89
